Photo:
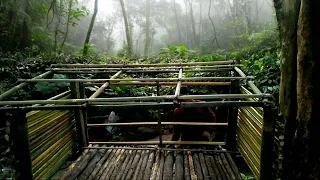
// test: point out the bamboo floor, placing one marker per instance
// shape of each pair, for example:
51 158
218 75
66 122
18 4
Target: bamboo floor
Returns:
118 164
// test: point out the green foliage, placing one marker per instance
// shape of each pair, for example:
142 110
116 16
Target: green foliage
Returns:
48 88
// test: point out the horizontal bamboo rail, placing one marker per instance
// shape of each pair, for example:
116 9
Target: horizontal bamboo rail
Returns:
156 123
162 84
159 148
141 98
139 68
135 79
22 85
140 71
157 142
145 65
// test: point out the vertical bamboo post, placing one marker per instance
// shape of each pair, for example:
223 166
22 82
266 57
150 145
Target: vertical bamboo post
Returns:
77 92
231 142
267 144
21 145
159 117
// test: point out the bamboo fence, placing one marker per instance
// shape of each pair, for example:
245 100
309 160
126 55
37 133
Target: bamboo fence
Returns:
56 125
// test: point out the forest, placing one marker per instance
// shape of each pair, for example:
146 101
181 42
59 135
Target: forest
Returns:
273 40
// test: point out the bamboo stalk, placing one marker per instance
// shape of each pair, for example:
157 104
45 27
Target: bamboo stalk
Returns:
107 163
104 71
91 166
221 168
121 167
99 164
204 167
132 168
234 167
178 87
162 83
216 168
164 142
133 155
168 167
135 79
104 86
186 167
227 167
148 169
156 165
144 65
161 166
191 166
156 123
251 84
118 157
179 166
143 165
74 164
210 169
141 98
197 166
141 68
139 165
22 85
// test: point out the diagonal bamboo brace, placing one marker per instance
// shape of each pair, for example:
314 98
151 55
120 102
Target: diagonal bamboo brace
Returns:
104 86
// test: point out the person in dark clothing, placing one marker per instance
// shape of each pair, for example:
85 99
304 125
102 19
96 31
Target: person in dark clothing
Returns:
189 132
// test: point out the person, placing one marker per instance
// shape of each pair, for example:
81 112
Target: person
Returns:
190 132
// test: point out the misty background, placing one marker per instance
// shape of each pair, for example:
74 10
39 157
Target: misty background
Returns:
202 25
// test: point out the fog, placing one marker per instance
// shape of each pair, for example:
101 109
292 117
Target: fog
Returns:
200 25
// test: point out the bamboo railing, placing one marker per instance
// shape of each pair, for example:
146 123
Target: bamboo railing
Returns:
57 125
52 137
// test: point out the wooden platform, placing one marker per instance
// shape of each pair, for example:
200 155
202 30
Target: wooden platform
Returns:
158 164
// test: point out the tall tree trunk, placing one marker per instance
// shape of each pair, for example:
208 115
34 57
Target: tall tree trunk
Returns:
187 25
56 30
148 38
177 20
200 20
86 42
68 23
126 24
299 99
193 26
25 30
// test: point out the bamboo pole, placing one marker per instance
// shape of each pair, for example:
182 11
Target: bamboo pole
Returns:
251 84
71 71
156 123
135 79
144 65
104 86
157 142
22 85
178 87
162 83
267 155
141 98
141 68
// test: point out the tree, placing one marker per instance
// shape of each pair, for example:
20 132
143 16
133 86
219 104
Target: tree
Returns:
193 26
299 98
126 24
86 42
67 24
177 20
148 38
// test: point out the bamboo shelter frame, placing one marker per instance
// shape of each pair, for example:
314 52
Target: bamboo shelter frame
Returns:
79 103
